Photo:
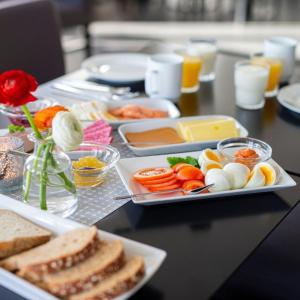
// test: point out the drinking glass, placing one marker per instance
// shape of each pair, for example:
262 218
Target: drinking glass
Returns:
275 66
190 71
206 50
250 83
283 48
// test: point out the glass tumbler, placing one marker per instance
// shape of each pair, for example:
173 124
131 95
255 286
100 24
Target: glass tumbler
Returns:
250 83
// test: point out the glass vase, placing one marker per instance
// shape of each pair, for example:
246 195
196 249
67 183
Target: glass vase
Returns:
48 180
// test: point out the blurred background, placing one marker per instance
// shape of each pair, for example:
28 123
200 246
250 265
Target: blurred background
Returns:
99 26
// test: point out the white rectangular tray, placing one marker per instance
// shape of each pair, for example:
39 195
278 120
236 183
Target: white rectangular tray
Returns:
153 256
128 166
173 148
161 104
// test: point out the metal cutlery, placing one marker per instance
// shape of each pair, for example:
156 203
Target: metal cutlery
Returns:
95 87
191 192
106 96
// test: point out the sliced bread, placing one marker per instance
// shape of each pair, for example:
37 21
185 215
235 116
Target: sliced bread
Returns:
115 284
18 234
107 259
58 254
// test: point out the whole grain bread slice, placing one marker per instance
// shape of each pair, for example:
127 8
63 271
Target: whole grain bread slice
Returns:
117 283
58 254
18 234
107 259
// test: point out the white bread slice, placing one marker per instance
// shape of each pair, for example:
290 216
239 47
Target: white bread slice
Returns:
107 259
18 234
117 283
58 254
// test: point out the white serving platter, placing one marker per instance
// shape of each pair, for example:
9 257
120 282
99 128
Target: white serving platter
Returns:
153 256
160 104
289 97
128 166
173 148
117 67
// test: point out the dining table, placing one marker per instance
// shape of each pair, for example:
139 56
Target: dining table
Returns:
207 240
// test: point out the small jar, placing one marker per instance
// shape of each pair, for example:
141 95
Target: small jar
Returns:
11 166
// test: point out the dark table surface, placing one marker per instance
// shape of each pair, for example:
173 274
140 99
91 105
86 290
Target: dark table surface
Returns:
207 241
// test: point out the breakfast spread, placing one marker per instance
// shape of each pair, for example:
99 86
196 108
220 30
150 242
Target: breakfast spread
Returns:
75 265
96 110
207 130
160 136
189 173
185 131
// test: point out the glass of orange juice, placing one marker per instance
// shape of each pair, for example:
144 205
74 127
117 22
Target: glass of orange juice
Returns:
275 70
191 69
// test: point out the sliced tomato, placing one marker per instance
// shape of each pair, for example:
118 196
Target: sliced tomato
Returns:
179 166
170 182
160 180
189 173
193 184
152 174
164 188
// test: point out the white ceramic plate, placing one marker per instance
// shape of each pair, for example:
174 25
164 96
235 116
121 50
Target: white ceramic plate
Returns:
289 97
118 67
174 148
153 256
161 104
128 166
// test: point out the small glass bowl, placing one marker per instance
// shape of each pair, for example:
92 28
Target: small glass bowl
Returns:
16 114
228 147
91 177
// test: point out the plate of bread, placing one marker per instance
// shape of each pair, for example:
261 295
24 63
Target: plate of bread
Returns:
43 256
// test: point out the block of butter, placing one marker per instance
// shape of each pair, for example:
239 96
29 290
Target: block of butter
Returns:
207 130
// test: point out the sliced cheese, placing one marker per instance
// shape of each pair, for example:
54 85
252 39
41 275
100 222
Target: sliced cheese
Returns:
208 130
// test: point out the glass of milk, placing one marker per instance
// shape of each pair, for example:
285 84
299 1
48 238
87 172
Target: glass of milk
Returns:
207 51
250 83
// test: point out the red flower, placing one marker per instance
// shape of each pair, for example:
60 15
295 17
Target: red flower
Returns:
16 87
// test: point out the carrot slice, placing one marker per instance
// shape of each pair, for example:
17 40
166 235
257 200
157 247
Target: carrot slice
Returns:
179 166
164 188
193 184
188 173
152 174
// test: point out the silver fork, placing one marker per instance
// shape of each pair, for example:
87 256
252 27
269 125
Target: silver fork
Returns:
191 192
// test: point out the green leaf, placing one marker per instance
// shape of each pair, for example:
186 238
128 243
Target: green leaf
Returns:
188 160
15 128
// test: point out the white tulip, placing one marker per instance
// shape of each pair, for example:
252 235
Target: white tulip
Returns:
67 132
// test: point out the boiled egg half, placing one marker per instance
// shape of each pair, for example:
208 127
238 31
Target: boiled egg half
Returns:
209 155
268 171
220 180
238 174
256 179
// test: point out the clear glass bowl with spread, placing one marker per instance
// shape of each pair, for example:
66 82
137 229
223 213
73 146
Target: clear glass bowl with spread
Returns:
91 163
229 149
17 116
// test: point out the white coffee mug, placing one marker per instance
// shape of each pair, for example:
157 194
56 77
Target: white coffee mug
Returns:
283 48
163 76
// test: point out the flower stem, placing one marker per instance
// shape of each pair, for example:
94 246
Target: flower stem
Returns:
31 122
44 177
29 172
68 184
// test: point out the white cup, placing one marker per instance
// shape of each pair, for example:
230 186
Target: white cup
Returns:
283 48
163 76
